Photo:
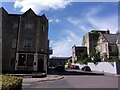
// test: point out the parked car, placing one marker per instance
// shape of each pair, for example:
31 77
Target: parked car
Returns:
60 68
86 68
75 67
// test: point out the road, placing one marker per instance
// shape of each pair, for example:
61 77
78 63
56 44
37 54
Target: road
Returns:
77 80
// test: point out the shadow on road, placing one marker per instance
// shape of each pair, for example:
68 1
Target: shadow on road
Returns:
71 72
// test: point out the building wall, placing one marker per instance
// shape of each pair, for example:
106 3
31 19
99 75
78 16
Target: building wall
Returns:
90 40
118 50
102 47
106 49
25 28
86 42
78 52
7 35
54 62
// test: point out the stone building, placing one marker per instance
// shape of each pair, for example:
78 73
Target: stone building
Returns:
25 44
91 38
118 45
108 45
78 52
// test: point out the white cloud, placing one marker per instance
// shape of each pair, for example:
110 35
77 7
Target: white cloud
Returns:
64 47
38 5
78 23
104 22
92 20
54 20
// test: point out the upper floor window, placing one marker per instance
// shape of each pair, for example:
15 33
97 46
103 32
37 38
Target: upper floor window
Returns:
28 26
110 48
14 43
43 29
27 43
15 25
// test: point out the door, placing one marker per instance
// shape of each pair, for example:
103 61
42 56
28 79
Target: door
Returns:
40 65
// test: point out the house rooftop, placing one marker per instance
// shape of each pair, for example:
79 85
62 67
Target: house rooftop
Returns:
111 38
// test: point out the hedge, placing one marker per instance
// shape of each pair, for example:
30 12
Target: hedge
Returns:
11 82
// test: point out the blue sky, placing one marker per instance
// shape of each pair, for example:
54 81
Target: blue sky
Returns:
69 21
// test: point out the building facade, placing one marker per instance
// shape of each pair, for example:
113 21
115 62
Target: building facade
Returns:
90 40
78 52
118 45
56 61
25 44
107 46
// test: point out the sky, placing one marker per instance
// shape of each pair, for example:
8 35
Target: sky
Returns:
68 20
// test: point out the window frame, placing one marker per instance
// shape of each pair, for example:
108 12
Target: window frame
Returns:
14 41
27 43
28 26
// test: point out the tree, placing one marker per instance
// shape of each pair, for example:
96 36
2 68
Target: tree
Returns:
84 59
95 56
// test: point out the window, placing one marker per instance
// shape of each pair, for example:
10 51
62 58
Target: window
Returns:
110 48
27 43
30 59
28 26
26 60
43 29
15 26
22 59
14 43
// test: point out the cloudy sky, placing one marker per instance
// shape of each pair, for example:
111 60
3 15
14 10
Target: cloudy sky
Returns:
68 20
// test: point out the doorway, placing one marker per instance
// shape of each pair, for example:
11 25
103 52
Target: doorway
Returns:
40 65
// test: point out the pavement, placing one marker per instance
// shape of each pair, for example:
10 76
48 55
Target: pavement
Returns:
48 78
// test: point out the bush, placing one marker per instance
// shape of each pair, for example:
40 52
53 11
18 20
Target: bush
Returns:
112 60
11 82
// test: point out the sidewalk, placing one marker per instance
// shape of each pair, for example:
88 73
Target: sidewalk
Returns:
48 78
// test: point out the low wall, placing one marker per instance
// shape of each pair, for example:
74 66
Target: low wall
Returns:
109 67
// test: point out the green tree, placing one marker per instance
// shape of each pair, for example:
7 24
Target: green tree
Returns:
84 59
95 56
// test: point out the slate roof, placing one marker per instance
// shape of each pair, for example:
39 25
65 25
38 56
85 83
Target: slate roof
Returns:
112 38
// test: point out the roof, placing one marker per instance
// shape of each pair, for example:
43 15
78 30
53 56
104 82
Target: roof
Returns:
28 11
111 38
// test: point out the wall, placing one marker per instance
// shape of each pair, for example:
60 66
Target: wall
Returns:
109 67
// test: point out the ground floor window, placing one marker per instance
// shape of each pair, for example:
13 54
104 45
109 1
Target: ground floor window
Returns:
30 59
25 60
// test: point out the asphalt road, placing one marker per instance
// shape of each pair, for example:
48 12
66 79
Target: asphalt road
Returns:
72 79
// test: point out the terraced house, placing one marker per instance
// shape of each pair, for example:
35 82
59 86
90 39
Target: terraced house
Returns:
25 44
